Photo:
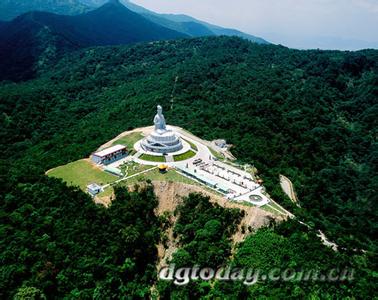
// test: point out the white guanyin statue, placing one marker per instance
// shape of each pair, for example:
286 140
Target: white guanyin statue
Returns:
161 140
159 120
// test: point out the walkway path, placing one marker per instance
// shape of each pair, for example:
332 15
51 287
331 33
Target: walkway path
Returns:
138 154
169 159
126 178
288 188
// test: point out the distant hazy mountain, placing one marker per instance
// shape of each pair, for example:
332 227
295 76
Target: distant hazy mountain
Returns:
182 23
37 38
193 29
217 30
177 22
10 9
94 3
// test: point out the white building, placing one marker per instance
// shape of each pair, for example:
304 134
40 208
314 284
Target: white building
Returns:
221 143
94 189
109 155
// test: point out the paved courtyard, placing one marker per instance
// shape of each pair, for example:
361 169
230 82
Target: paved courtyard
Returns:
233 182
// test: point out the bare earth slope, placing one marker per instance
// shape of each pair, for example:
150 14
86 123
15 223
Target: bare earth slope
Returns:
170 194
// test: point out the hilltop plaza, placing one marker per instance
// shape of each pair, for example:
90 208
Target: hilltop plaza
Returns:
178 150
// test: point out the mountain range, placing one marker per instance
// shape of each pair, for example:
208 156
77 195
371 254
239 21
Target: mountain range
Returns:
36 39
187 25
10 9
308 114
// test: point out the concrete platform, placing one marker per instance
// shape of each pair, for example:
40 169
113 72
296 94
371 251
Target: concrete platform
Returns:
186 147
236 184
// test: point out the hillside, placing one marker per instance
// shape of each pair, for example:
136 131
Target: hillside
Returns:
273 91
10 9
35 40
182 23
191 28
309 115
216 30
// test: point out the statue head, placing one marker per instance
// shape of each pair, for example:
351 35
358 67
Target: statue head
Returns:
159 109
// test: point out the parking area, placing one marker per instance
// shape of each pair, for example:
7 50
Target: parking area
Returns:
234 183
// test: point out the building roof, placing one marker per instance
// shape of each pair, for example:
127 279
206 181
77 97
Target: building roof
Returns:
220 141
110 150
94 186
199 176
113 170
223 187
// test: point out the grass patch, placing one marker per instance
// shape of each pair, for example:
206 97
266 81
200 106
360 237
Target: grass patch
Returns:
273 208
129 140
266 207
216 154
155 175
193 146
153 158
171 175
184 156
107 193
276 206
270 209
253 171
81 173
130 168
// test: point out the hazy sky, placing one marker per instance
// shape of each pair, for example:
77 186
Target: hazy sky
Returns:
326 24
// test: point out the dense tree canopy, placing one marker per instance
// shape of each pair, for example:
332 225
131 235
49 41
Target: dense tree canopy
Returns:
310 115
283 249
56 242
204 230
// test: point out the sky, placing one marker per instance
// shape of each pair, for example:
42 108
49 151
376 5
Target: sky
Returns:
302 24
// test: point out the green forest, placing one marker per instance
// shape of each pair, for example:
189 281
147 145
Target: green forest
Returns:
310 115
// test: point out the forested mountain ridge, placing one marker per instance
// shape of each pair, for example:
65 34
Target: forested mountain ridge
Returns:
215 29
181 23
303 113
190 25
310 115
190 28
36 40
10 9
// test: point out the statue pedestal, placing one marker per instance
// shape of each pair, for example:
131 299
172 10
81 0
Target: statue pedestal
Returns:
162 141
139 147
